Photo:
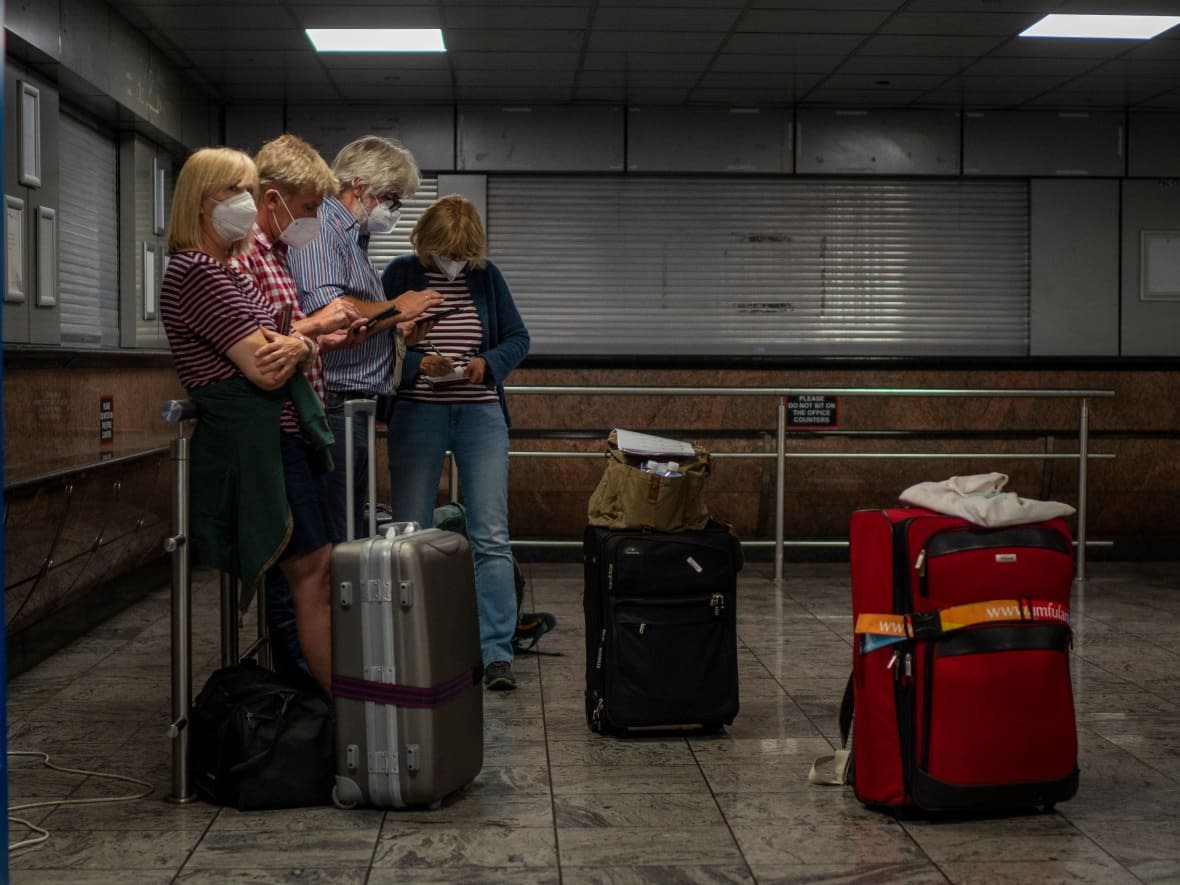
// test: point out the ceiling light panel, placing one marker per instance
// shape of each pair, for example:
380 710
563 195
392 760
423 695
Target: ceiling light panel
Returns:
376 39
1107 27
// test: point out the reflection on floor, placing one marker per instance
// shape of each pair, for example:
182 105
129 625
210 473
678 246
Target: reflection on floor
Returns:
556 803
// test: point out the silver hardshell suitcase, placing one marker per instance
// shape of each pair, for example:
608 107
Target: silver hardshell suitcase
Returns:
405 660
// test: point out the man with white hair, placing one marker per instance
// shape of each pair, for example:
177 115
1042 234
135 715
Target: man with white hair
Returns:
374 175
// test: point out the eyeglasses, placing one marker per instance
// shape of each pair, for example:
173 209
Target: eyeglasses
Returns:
394 200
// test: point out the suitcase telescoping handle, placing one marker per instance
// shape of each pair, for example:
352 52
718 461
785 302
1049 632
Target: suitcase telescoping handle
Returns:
356 407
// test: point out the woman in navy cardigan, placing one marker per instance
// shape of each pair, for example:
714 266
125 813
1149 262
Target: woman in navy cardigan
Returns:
452 397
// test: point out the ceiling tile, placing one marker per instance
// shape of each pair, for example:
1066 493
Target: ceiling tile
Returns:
476 40
638 18
800 44
835 7
494 16
545 93
217 36
816 20
348 79
646 61
353 16
882 83
961 46
777 64
878 64
346 61
535 61
848 98
653 41
998 24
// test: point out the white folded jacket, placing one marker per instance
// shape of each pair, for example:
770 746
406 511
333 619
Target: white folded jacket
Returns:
979 499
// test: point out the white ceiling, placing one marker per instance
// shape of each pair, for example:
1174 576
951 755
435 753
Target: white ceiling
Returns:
779 53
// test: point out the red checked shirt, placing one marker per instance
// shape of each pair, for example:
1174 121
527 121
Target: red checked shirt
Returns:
266 264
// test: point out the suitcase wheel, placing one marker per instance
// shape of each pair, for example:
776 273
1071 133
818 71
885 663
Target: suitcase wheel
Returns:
340 803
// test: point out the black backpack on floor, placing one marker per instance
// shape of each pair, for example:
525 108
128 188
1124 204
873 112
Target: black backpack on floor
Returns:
259 740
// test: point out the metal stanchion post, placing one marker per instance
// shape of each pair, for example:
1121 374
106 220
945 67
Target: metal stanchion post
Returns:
182 653
780 492
229 620
262 642
1083 456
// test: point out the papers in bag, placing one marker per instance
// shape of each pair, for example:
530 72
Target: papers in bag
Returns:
646 446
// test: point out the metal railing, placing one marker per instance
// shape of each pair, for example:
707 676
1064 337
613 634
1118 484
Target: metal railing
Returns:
780 455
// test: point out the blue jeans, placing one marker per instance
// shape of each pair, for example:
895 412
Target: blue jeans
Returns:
335 483
477 434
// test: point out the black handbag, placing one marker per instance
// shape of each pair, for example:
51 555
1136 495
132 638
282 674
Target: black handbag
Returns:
260 740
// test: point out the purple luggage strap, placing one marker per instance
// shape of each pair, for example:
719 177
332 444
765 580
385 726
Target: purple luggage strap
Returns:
355 689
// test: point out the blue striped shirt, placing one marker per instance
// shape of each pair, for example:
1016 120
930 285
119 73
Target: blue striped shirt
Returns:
335 264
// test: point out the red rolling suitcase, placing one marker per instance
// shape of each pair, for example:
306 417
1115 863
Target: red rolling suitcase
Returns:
961 688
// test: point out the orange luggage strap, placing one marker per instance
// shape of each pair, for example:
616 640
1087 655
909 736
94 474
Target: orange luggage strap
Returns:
880 630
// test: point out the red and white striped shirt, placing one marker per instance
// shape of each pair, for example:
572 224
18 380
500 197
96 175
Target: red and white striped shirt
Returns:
207 308
458 336
266 263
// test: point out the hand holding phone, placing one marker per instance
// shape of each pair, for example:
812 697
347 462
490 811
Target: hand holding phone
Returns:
433 317
378 317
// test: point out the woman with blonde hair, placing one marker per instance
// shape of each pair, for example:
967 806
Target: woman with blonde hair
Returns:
236 366
452 397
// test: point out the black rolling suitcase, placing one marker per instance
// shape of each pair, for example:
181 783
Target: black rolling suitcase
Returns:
661 628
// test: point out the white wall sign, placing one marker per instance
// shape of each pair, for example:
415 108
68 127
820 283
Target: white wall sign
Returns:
46 257
151 292
1159 265
14 254
30 134
158 183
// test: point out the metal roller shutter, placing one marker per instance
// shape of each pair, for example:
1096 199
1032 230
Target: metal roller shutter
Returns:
88 237
383 249
717 267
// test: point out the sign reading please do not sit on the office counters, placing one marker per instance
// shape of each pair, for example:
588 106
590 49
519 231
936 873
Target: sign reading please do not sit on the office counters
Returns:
807 411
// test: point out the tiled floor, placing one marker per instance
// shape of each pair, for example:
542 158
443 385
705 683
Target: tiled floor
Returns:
556 803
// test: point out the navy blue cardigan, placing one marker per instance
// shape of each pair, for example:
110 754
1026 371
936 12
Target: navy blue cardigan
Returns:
505 341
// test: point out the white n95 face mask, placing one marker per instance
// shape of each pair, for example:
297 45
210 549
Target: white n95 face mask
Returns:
382 219
232 218
300 231
451 267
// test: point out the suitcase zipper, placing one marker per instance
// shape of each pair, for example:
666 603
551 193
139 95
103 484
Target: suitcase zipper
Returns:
902 665
716 602
1019 536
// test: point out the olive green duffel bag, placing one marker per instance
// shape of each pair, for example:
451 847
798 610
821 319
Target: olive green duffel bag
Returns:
628 497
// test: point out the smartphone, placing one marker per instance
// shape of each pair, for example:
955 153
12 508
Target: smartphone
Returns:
285 319
383 315
431 317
